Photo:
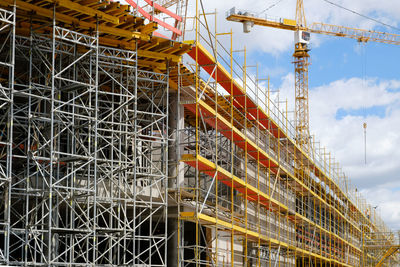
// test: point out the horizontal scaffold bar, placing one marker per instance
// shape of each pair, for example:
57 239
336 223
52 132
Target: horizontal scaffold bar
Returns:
233 134
255 113
253 194
206 220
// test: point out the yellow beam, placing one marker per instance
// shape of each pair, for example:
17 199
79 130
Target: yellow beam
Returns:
311 223
85 10
360 35
208 220
213 166
149 28
76 22
265 154
152 64
130 45
387 254
205 219
141 52
305 155
286 24
158 55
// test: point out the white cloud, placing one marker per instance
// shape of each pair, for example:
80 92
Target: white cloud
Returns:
345 137
387 202
347 134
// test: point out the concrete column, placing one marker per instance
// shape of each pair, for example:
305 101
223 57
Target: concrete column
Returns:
175 124
175 174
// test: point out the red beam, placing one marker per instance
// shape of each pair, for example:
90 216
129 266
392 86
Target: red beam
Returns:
251 194
151 18
233 88
160 35
226 130
164 10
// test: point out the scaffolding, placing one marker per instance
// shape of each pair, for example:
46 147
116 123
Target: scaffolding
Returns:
84 136
381 248
116 152
7 65
249 195
92 167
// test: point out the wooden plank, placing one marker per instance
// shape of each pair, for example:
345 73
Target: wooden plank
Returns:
86 10
78 23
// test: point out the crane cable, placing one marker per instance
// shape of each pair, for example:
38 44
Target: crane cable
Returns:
365 142
361 15
269 7
364 85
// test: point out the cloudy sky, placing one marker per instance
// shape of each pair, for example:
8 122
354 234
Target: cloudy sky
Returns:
350 83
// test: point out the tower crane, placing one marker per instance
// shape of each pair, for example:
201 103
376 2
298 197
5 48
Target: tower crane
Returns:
302 34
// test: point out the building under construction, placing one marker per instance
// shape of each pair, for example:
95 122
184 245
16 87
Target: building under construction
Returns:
121 146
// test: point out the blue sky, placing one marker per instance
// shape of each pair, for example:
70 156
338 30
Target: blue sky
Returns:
349 84
379 111
336 58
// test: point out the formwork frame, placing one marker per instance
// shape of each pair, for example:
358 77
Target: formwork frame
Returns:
7 65
90 158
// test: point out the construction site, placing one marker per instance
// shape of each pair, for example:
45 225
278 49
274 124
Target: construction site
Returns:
131 135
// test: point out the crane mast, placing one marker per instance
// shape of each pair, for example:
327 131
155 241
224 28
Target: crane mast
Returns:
301 63
300 15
